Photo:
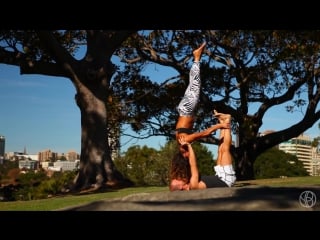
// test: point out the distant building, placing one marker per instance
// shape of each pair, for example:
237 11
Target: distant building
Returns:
66 165
315 161
301 147
28 164
46 164
72 155
47 155
2 148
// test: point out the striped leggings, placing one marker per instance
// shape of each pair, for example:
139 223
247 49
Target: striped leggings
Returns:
191 96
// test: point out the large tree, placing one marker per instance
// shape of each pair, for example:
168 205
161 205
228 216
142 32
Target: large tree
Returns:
52 53
239 68
267 68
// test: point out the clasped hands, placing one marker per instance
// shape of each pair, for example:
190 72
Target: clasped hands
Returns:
182 141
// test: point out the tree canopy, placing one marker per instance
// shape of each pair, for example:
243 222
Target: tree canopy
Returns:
239 68
267 68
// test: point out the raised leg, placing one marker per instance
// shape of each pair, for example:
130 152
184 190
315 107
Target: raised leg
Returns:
224 154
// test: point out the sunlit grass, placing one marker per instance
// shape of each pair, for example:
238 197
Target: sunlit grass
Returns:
58 203
284 182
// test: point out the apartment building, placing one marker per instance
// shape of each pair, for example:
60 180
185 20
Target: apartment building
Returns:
301 147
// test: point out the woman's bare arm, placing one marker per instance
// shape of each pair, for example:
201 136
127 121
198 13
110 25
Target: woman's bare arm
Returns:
205 133
194 180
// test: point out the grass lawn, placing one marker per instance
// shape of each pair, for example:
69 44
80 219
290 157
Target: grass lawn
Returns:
60 202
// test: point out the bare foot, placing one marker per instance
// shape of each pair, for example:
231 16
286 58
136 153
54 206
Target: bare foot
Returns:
197 53
223 118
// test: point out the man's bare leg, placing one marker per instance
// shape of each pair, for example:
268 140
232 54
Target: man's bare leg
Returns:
224 155
224 169
224 147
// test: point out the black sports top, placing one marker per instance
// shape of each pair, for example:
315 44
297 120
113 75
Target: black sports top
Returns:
184 130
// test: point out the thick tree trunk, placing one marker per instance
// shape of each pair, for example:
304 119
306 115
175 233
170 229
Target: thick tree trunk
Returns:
96 165
244 168
244 157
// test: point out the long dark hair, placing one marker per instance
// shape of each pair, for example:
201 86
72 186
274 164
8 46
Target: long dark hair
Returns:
180 168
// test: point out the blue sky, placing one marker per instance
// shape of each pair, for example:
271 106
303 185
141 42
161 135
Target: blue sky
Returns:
39 113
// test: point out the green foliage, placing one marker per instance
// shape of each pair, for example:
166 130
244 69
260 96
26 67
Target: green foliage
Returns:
239 67
148 167
58 183
62 158
138 164
6 166
66 178
164 158
315 142
47 188
27 42
204 159
28 183
32 178
275 163
37 185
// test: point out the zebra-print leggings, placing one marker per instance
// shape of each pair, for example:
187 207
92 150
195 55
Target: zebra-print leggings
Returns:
190 99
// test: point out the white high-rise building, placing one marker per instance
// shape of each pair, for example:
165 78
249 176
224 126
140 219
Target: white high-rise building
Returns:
301 147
